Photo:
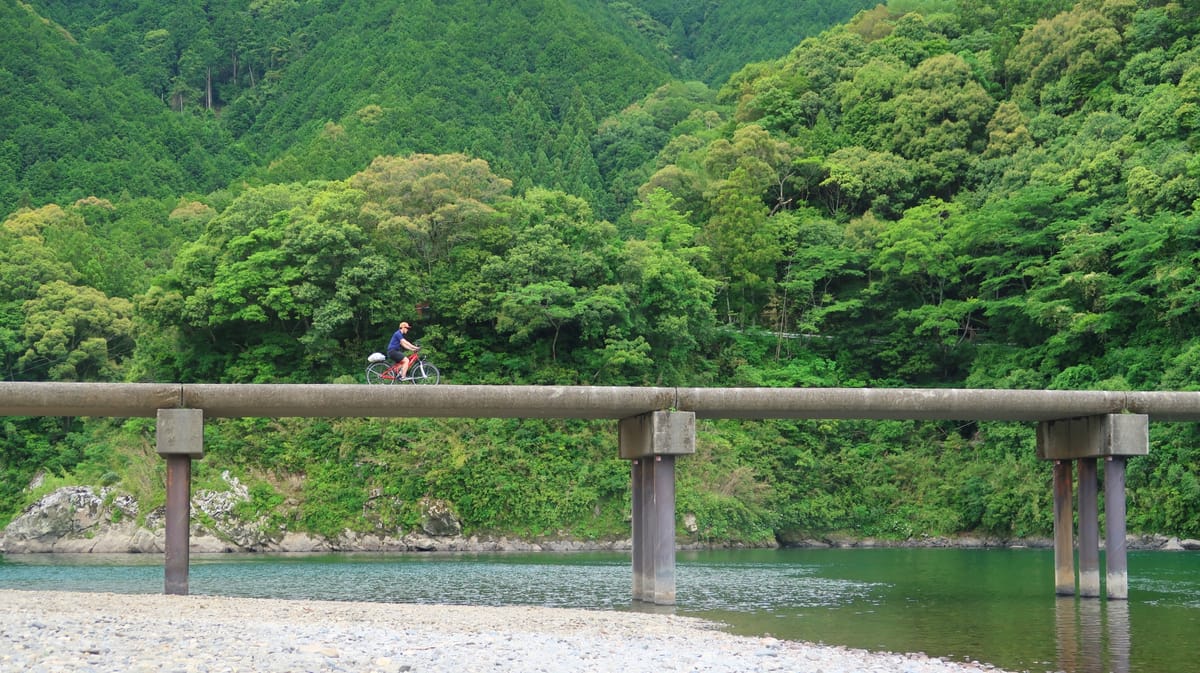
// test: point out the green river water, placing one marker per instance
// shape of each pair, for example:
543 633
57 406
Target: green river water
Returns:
995 606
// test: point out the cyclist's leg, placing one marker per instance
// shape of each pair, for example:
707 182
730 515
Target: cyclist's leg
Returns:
406 363
397 357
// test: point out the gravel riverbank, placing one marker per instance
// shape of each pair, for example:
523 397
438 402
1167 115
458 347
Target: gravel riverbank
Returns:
44 632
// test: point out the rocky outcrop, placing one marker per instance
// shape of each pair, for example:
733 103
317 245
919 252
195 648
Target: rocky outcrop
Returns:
78 519
81 519
438 518
1175 544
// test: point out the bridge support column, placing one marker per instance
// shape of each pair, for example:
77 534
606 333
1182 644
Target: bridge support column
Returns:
180 437
651 442
1112 437
1089 528
1114 526
1064 531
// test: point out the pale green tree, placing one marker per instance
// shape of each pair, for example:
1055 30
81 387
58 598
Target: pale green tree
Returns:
74 333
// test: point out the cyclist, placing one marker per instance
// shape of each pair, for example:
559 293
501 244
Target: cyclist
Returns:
396 348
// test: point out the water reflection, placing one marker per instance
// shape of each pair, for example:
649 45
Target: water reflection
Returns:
1092 635
1118 635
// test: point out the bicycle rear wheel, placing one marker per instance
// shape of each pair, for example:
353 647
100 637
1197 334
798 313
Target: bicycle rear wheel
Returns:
375 372
425 373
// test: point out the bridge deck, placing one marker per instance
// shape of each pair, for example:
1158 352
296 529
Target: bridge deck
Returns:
586 402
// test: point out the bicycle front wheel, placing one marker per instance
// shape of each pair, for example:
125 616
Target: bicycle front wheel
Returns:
423 372
375 372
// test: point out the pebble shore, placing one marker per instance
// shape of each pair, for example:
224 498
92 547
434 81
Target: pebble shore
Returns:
52 632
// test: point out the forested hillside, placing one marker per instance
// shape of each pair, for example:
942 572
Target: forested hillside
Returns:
709 41
315 89
932 193
76 126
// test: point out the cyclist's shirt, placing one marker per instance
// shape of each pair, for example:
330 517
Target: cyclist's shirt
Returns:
395 350
394 344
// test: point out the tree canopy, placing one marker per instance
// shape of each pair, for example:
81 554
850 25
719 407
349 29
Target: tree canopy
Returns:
931 193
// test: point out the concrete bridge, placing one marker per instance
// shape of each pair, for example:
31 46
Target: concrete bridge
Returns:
655 425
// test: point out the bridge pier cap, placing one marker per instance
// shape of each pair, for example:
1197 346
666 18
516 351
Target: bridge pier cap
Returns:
657 433
180 432
1094 437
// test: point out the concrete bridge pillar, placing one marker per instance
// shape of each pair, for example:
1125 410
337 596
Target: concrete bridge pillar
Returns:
1064 531
1112 437
1089 528
1114 525
180 438
651 441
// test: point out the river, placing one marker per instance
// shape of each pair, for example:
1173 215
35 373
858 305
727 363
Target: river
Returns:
995 606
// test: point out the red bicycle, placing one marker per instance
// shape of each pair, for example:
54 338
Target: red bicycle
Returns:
420 370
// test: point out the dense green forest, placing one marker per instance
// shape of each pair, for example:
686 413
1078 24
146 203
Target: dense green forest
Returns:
932 193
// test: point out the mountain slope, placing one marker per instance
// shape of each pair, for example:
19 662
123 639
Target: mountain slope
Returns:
319 88
712 40
76 127
501 81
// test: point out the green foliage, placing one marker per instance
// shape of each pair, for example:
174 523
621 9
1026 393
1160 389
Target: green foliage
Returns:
942 194
332 496
1168 478
79 127
699 34
75 334
721 491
